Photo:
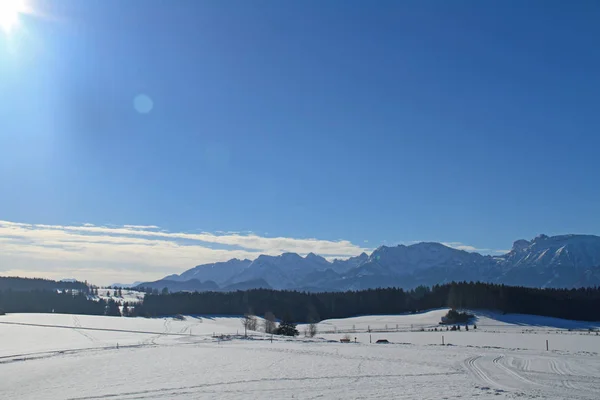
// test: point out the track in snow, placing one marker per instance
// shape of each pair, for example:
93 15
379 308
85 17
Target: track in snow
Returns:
552 378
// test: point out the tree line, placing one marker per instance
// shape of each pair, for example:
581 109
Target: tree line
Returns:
27 284
576 304
52 301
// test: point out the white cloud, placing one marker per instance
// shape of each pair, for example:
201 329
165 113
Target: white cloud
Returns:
103 254
500 251
465 247
469 248
107 254
462 246
140 226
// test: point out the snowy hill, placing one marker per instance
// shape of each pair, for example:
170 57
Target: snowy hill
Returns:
60 356
558 261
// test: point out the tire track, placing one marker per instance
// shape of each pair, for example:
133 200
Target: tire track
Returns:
498 361
90 329
580 384
56 353
516 375
556 369
471 365
78 329
194 389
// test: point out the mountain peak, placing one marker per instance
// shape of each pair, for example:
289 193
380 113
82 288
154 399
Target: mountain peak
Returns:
290 256
559 261
520 245
315 257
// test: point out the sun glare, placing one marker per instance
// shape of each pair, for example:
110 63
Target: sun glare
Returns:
10 12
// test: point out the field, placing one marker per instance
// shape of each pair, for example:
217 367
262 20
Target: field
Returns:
58 356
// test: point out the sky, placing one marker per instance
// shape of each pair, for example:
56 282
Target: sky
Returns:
141 138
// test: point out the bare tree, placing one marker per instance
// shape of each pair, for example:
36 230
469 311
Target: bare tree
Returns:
312 329
245 320
249 322
269 322
253 323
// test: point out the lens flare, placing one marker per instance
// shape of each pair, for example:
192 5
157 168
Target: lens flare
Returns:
10 13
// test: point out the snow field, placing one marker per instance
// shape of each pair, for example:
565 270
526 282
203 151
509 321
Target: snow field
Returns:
52 356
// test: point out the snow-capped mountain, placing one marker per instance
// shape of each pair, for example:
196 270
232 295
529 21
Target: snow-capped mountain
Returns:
219 272
281 272
565 250
558 261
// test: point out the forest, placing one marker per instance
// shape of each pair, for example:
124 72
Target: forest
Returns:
34 295
576 304
49 301
28 284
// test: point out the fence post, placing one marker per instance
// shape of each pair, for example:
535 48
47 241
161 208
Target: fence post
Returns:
442 340
370 339
546 344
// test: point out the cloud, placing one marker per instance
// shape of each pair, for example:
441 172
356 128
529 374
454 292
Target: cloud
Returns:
500 251
462 246
465 247
127 253
469 248
105 254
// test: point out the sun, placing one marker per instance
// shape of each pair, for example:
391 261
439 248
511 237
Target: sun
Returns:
10 12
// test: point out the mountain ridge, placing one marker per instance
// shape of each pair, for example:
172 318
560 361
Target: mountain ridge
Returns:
545 261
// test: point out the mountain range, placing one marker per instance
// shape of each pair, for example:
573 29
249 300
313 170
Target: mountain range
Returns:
557 261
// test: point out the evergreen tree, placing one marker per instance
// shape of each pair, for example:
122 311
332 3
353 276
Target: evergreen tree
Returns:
112 308
287 328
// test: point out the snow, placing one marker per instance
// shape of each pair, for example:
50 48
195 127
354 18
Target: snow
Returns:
59 356
129 296
529 263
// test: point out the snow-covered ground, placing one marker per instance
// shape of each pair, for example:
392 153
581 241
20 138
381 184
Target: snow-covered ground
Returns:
129 296
57 356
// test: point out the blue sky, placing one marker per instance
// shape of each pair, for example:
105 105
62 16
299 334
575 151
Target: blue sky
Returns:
466 122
